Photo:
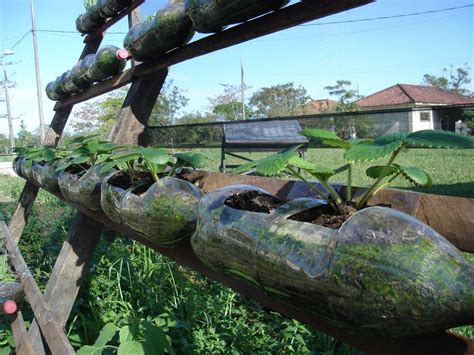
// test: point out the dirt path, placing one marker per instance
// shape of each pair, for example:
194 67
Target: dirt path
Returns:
6 168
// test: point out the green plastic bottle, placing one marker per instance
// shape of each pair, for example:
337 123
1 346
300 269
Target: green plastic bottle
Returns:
170 28
213 15
108 61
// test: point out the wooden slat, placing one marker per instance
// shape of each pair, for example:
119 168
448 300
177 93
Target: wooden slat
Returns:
70 268
439 343
112 21
276 21
136 109
44 314
22 343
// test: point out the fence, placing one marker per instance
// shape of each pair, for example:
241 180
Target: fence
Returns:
357 124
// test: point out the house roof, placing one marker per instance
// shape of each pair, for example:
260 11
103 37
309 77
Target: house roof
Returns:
403 94
321 104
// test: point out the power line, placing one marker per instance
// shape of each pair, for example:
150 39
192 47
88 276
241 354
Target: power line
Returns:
75 32
388 17
20 40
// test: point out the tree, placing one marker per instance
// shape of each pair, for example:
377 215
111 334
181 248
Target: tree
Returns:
280 101
99 116
228 106
25 138
350 125
346 97
452 80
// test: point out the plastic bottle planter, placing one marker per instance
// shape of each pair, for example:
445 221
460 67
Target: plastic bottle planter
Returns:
16 166
106 64
213 15
89 21
54 90
67 85
45 176
170 28
111 8
383 272
82 188
164 214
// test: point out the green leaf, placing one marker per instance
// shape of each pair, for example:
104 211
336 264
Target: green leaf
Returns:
370 152
416 176
89 350
271 165
319 133
195 160
375 172
106 334
101 158
244 167
125 334
298 162
439 139
80 160
49 154
92 146
337 143
131 347
391 138
155 156
107 167
156 341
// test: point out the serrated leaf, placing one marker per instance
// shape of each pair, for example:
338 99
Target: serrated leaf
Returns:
195 160
272 165
370 152
154 155
310 167
439 139
319 133
106 334
131 347
377 171
391 138
244 167
339 143
416 176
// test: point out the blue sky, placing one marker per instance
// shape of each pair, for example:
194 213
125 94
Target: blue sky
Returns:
373 55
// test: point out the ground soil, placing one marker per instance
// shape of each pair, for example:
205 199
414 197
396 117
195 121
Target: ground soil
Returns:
324 215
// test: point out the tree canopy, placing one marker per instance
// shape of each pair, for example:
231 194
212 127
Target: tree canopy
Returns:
452 79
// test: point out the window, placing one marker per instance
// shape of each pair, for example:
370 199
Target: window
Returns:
425 116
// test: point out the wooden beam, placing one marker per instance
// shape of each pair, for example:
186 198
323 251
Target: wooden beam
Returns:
440 343
70 269
136 109
273 22
44 314
22 343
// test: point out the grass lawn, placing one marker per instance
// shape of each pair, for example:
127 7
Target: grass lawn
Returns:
129 282
452 170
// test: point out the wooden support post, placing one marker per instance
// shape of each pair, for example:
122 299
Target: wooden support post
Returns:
22 343
44 314
136 109
70 268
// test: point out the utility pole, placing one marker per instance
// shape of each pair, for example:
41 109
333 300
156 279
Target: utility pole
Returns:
7 101
242 87
37 70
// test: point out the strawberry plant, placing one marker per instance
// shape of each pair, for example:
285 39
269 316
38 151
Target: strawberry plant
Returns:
388 146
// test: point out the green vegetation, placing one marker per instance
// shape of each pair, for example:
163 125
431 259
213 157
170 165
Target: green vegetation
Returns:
196 315
357 150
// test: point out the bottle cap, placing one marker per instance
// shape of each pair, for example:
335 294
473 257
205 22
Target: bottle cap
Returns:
122 54
9 307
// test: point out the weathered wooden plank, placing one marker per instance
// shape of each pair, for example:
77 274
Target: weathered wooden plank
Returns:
22 343
22 211
276 21
70 268
44 314
439 343
136 109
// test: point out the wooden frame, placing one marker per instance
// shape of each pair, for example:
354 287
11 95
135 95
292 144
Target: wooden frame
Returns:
72 263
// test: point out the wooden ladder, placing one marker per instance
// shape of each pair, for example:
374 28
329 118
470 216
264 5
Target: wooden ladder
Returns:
52 309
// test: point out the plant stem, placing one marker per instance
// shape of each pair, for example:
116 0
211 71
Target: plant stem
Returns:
370 192
349 182
312 187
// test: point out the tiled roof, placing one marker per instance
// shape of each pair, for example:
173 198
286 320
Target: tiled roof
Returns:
402 94
321 104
